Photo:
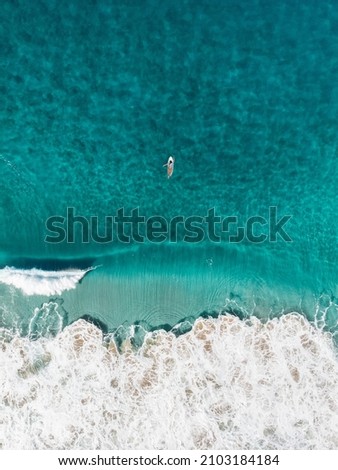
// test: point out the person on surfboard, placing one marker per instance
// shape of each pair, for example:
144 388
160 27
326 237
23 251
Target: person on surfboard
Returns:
170 166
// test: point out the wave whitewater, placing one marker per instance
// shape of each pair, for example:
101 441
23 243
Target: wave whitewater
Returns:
39 282
227 384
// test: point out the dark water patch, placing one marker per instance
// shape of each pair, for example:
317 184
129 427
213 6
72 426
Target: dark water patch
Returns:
50 264
96 322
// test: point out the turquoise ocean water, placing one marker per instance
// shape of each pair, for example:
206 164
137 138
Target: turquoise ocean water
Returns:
94 98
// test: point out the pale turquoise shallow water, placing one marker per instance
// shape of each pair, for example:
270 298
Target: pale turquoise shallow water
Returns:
96 96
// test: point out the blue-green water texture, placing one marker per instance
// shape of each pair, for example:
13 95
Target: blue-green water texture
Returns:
96 95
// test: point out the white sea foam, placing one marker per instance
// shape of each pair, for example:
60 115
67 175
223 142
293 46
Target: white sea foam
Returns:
38 282
227 384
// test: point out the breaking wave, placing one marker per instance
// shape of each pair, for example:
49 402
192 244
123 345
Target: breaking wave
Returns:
39 282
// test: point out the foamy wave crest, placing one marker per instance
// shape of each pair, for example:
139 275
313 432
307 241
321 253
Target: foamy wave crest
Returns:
38 282
227 384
